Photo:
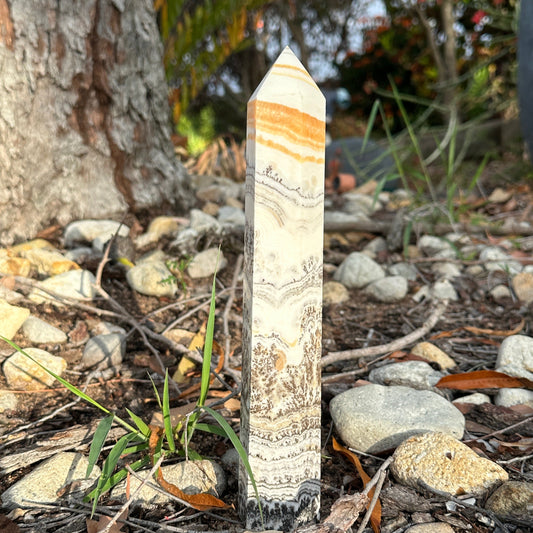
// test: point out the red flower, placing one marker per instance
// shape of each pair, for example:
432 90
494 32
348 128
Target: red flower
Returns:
478 16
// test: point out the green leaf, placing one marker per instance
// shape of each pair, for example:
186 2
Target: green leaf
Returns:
99 438
110 463
166 415
208 428
139 422
240 450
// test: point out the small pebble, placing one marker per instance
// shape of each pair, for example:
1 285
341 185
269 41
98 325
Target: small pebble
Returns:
433 354
75 284
512 499
510 397
152 278
406 270
40 332
87 230
206 263
431 527
415 374
496 259
477 398
357 271
523 286
515 356
388 289
103 351
334 292
11 319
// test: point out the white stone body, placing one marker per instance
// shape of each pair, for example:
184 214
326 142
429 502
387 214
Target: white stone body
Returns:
280 408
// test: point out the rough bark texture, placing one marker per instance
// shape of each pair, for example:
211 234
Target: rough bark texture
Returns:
84 122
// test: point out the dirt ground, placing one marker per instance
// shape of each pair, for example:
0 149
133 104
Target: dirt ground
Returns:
358 322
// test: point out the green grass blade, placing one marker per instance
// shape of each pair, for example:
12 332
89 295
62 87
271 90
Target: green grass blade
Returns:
100 435
109 465
166 416
209 428
69 386
208 345
156 393
139 422
117 478
240 450
370 123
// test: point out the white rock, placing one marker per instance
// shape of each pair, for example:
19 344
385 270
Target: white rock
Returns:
436 247
500 292
23 374
11 318
415 374
202 222
375 246
497 259
76 284
204 264
510 397
477 398
356 203
8 401
357 271
338 217
88 230
388 289
10 296
515 356
192 477
443 290
103 351
374 418
45 482
446 464
40 332
475 271
406 270
334 292
446 270
231 216
152 278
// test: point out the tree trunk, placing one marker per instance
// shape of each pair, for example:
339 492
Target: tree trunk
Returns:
84 117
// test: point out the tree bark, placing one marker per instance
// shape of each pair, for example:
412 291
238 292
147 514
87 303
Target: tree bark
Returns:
84 117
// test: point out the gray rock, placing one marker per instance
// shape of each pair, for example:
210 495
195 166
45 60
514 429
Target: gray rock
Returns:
103 351
40 332
512 498
446 270
356 203
415 374
88 230
338 217
231 216
75 284
388 289
11 319
23 374
374 418
44 483
406 270
10 296
375 246
515 356
334 292
500 292
510 397
204 264
203 223
192 477
497 259
436 247
357 271
152 278
443 290
445 464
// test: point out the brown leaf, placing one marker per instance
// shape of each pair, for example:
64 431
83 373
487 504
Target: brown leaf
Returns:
495 332
95 527
7 525
375 518
483 379
200 502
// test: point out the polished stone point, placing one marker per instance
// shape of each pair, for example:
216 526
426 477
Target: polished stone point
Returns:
282 331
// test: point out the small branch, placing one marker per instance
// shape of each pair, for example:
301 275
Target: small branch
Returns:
398 344
229 303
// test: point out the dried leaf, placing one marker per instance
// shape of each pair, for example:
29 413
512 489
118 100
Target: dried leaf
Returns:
375 518
200 502
176 415
95 527
186 364
495 332
483 379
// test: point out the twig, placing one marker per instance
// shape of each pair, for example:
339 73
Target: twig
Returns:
229 303
129 501
398 344
512 426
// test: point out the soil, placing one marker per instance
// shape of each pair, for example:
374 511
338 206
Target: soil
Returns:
359 322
